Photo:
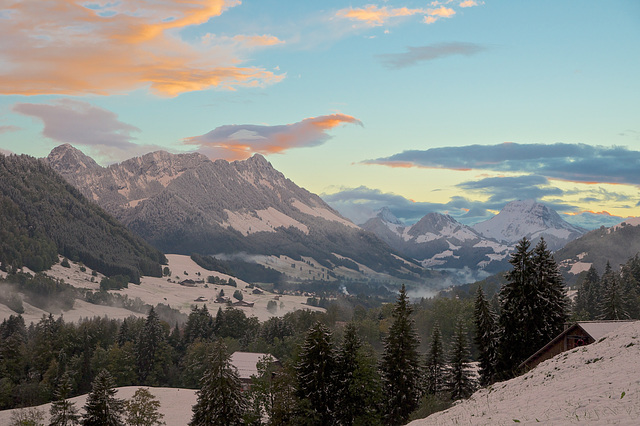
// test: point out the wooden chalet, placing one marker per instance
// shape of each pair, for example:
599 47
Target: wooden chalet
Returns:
243 303
574 335
247 365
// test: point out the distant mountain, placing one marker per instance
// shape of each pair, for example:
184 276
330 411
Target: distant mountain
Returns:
529 219
439 241
615 244
184 203
41 216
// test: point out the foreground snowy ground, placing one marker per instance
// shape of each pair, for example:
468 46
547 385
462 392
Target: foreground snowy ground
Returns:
175 404
595 384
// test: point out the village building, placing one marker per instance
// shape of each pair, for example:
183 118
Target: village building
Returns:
574 335
247 365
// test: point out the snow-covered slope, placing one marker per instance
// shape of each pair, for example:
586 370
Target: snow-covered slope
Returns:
595 384
529 219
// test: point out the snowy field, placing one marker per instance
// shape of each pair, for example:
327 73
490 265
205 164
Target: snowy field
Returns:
597 384
158 290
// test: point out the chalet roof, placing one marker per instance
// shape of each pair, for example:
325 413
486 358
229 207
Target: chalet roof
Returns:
246 363
595 329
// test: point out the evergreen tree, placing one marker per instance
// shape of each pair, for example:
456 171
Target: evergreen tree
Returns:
142 409
460 383
315 372
629 284
199 325
587 302
400 364
220 398
149 345
435 365
102 407
63 412
485 337
358 384
614 301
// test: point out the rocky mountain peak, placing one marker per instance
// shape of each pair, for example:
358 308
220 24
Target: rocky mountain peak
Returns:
386 215
67 159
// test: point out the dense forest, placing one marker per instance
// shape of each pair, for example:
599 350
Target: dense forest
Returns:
43 216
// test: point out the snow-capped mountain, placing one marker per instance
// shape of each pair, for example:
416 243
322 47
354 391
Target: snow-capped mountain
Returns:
185 203
438 241
532 220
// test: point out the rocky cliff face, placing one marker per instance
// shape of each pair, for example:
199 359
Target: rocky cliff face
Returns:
184 203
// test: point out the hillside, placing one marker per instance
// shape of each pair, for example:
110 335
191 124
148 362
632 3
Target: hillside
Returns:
43 216
595 384
615 245
185 203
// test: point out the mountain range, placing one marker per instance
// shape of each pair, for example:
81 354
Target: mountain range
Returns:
473 252
186 203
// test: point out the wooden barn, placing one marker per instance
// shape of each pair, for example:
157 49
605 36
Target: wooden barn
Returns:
247 365
577 334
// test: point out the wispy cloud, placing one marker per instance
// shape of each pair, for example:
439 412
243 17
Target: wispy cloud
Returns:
77 47
502 190
82 124
236 142
470 3
415 55
433 15
374 16
570 162
9 128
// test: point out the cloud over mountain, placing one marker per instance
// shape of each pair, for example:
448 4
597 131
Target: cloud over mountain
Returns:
238 142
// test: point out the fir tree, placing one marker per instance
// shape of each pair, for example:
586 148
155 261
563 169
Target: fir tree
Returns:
614 301
358 384
315 372
142 409
220 398
102 407
485 337
460 383
629 284
435 365
150 341
587 302
400 364
63 412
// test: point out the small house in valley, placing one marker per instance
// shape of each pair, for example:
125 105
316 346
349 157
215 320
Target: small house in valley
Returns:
247 365
574 335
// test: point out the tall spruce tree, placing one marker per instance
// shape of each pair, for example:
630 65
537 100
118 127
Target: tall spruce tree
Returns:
587 302
358 383
63 412
485 337
613 301
148 349
102 407
315 371
533 305
460 382
400 365
220 398
436 364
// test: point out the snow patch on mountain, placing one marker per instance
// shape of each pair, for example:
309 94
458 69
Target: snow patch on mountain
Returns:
322 213
261 221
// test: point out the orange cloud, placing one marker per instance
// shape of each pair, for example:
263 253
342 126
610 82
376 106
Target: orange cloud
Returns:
469 3
435 14
602 213
237 142
375 16
72 47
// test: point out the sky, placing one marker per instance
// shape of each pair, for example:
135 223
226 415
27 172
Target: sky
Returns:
455 107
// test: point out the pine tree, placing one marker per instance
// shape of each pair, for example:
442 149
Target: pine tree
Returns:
587 303
400 364
435 365
485 337
63 412
220 398
102 407
142 409
629 284
148 348
358 384
460 382
614 301
315 372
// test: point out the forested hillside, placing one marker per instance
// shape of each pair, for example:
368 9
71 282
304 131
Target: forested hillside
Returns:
43 216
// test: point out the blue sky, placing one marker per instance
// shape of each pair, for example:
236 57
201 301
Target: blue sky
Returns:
453 106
